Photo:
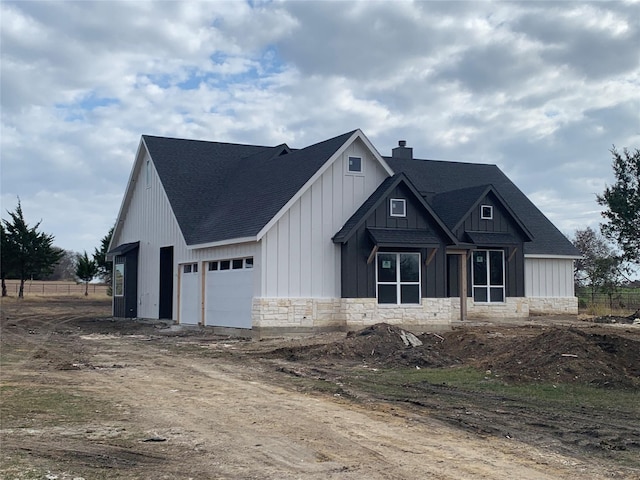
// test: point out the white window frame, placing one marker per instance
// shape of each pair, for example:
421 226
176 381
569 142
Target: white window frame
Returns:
398 283
404 207
486 217
355 172
488 286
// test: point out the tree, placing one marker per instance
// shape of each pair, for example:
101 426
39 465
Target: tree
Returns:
86 270
65 269
105 267
7 258
599 266
622 203
31 252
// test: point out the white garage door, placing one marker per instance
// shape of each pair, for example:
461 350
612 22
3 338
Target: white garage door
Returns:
190 305
229 293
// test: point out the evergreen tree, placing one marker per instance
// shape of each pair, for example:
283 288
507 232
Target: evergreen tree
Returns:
30 252
86 270
7 258
105 267
622 203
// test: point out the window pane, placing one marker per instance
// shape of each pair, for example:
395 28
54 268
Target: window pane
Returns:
387 294
237 264
398 207
410 293
213 266
355 164
480 268
387 267
186 268
480 294
409 267
496 270
497 294
248 262
195 267
118 280
225 264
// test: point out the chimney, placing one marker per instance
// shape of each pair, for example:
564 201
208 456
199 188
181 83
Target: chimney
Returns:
402 151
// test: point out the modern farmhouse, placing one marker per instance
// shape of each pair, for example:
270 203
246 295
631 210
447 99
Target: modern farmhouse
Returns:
330 236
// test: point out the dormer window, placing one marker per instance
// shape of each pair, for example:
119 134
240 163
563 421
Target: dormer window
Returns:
354 165
486 212
398 207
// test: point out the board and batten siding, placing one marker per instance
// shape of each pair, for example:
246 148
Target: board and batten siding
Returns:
548 277
151 221
299 259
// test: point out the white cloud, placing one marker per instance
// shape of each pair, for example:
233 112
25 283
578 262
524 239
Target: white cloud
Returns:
543 90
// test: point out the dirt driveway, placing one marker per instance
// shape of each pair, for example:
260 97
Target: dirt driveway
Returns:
87 397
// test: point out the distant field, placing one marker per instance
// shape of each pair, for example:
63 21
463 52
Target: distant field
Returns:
41 288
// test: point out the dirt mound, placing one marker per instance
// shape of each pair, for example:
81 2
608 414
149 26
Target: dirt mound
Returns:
562 355
569 356
634 318
380 344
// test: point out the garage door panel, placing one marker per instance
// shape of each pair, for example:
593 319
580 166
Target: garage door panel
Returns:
189 296
229 297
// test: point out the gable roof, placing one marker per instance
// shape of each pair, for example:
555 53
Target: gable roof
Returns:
433 177
220 191
376 198
455 206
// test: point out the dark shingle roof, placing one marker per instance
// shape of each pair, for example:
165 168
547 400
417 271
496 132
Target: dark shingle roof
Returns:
220 191
384 237
492 238
453 206
433 177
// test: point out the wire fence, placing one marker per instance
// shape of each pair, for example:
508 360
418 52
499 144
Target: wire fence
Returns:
625 300
43 288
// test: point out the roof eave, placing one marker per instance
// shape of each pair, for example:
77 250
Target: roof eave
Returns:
222 243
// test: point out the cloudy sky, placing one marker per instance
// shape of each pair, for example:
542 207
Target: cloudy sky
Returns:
541 89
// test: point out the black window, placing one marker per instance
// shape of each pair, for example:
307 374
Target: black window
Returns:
398 278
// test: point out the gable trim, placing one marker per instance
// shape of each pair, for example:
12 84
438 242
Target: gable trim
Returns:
505 205
356 135
126 200
343 237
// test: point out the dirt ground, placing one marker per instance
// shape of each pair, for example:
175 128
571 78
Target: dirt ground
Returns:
87 397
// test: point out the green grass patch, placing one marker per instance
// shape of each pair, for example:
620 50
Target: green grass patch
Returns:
22 406
409 383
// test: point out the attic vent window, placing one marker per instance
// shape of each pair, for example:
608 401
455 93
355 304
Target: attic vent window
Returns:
355 165
486 212
398 207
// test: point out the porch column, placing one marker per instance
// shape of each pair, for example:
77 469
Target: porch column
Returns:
463 286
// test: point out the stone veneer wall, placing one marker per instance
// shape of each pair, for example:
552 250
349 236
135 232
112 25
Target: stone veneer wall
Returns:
297 312
347 313
514 307
361 312
325 313
553 305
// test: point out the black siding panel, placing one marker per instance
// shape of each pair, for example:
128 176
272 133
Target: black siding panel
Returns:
126 306
359 277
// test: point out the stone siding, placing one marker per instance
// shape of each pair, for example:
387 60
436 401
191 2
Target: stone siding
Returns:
317 314
553 305
514 307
